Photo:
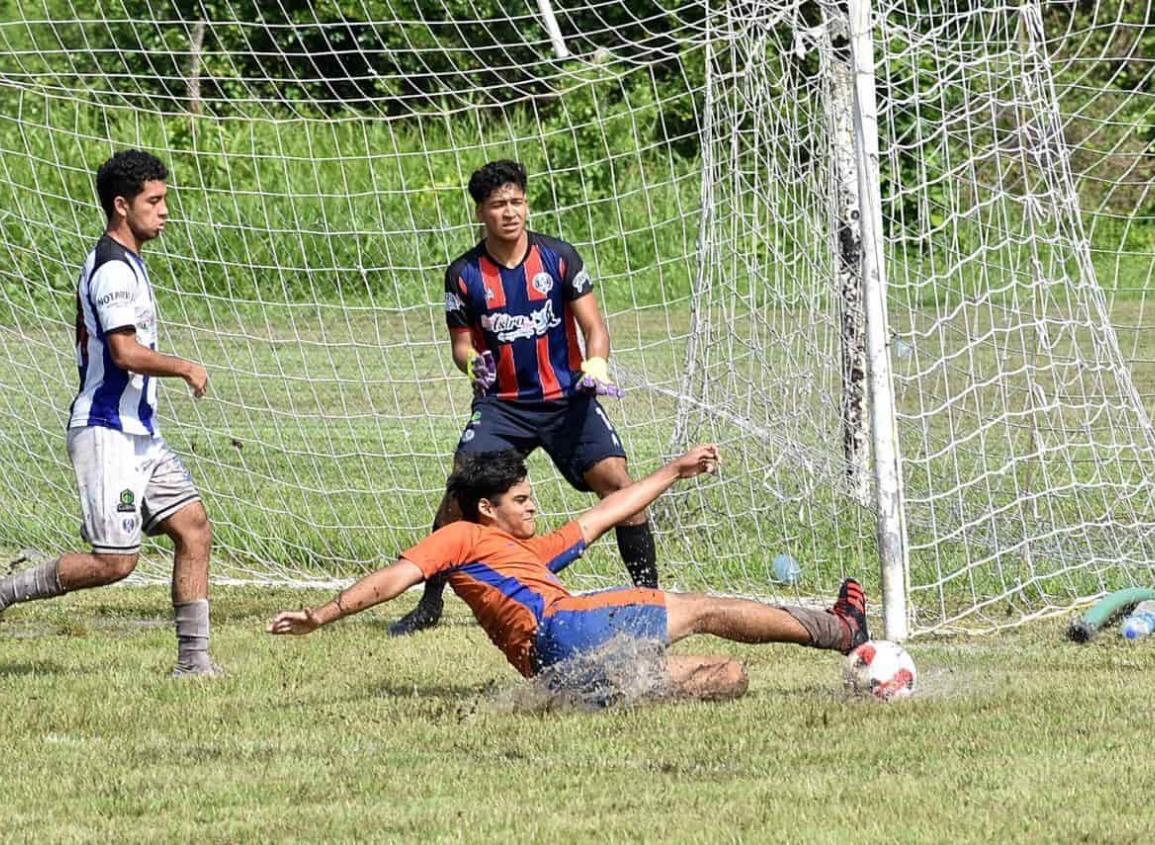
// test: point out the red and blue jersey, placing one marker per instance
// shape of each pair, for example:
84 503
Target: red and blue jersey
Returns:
508 583
522 315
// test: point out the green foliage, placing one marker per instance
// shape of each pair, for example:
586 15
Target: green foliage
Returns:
413 59
374 56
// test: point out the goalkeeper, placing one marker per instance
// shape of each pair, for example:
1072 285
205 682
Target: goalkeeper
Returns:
507 576
514 304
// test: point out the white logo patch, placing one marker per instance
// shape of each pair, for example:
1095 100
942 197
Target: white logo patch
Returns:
581 281
510 327
469 435
453 302
488 294
542 283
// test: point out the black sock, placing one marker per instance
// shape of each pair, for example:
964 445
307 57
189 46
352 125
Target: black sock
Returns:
434 587
636 544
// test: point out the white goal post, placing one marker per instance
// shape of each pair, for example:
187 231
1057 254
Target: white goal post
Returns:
894 256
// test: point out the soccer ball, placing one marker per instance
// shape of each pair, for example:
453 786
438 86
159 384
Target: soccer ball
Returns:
880 669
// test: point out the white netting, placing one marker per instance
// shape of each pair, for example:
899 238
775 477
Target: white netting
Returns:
694 152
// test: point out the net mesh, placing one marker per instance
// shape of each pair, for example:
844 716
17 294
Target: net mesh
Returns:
696 155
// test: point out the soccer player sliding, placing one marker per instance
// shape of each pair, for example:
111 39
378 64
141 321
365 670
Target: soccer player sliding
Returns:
514 304
507 575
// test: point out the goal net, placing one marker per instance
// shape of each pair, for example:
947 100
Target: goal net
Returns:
702 158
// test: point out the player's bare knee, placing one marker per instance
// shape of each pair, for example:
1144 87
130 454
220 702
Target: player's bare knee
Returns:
687 614
115 568
613 484
721 681
191 531
711 679
608 476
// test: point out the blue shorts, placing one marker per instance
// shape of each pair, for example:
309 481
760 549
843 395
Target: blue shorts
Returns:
575 432
578 625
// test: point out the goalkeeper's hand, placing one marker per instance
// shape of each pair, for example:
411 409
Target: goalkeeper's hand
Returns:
596 379
482 372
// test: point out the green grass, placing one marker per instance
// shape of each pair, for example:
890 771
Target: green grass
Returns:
350 736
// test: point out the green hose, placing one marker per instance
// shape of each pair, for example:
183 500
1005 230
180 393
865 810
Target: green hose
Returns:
1112 605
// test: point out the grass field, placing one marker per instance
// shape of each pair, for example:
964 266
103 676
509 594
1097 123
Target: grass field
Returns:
350 736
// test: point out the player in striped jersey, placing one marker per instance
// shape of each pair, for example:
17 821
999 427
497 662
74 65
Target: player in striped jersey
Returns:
514 305
130 481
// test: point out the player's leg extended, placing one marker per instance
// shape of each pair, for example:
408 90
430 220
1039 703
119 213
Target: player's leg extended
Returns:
587 450
110 487
73 571
576 631
841 628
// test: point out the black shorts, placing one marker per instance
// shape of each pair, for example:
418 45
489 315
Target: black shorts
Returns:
575 432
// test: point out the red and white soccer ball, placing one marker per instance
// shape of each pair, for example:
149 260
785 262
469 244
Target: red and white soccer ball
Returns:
880 669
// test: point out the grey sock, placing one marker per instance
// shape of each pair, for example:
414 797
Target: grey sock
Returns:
39 582
825 629
192 633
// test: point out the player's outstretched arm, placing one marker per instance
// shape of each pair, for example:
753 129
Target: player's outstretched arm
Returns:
128 354
629 500
381 586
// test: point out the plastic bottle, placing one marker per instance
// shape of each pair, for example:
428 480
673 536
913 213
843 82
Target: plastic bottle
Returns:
786 569
1140 622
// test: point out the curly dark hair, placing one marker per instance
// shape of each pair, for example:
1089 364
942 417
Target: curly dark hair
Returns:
485 475
488 178
124 175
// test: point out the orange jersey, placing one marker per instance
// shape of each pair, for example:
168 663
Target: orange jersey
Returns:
508 583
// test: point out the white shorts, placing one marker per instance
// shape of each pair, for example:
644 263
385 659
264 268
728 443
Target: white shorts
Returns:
128 483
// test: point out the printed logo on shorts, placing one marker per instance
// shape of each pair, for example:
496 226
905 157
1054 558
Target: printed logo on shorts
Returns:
542 283
129 524
476 418
469 435
127 502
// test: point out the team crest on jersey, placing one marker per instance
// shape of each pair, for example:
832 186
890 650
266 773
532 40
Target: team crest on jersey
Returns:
453 302
581 281
542 283
127 502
